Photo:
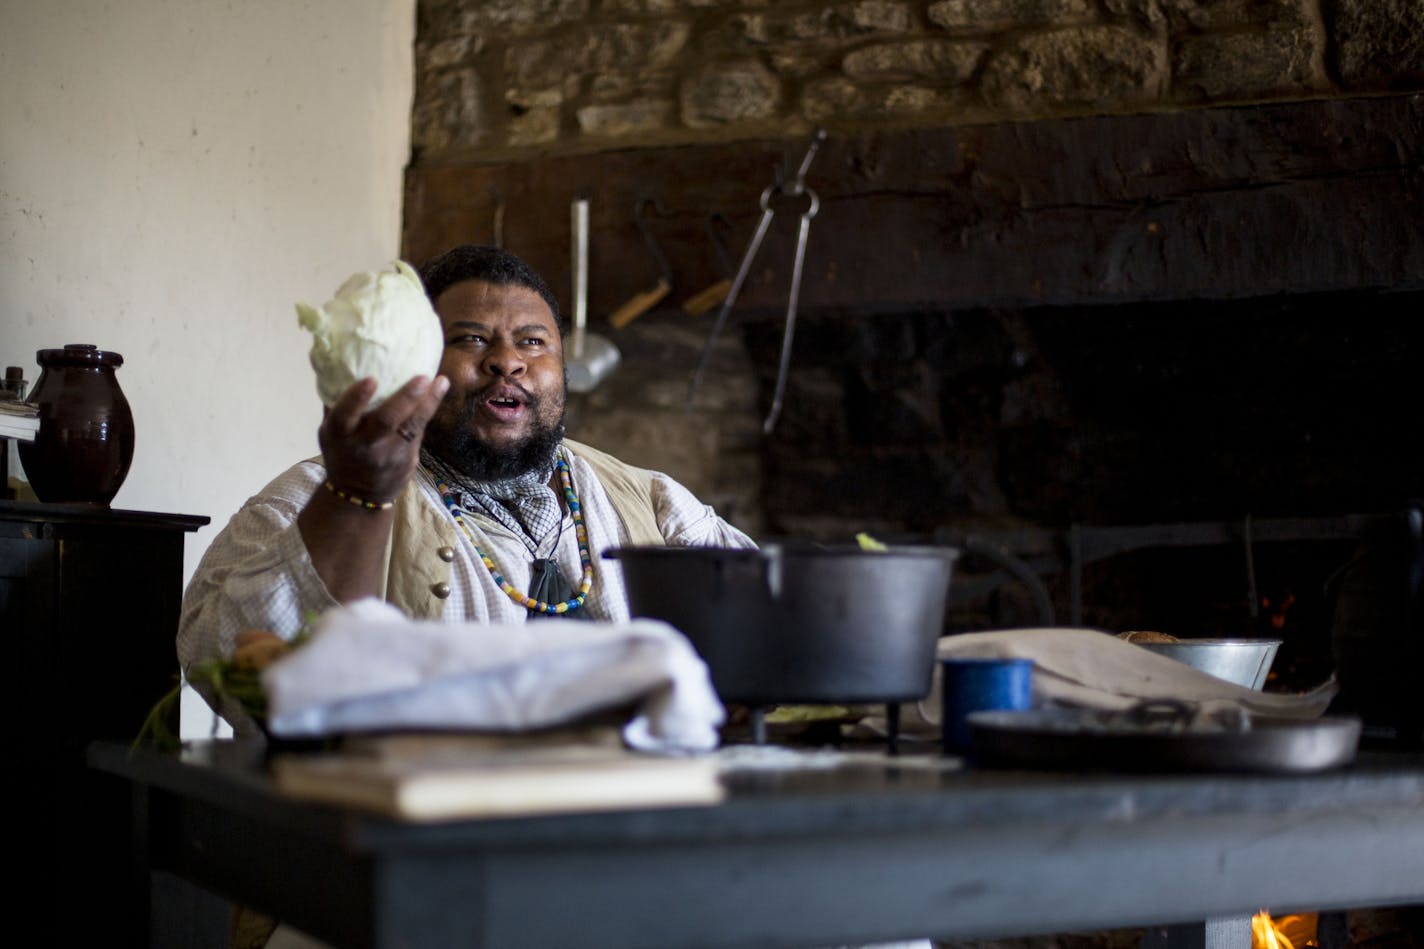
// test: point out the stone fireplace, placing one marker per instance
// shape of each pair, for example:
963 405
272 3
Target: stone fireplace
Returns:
1124 262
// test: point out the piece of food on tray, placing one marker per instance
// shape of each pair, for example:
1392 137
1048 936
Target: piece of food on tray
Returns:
1147 636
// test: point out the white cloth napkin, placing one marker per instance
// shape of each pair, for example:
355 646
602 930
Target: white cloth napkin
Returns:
1089 668
368 667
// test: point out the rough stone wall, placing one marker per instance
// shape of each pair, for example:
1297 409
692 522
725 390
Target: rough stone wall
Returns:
501 78
504 81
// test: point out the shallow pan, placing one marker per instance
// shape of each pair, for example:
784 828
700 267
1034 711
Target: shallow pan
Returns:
1087 739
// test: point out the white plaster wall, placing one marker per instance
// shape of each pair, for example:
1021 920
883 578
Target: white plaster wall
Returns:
174 175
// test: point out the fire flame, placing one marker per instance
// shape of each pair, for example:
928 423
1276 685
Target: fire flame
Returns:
1289 932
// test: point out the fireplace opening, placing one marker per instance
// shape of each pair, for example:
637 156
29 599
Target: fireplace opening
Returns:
1025 425
1284 406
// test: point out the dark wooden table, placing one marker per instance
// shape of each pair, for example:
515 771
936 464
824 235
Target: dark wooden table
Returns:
868 851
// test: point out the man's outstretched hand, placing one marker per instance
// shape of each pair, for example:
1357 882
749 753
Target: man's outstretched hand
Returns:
369 458
371 455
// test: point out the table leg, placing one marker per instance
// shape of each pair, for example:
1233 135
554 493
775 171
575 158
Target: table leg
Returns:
1230 933
138 888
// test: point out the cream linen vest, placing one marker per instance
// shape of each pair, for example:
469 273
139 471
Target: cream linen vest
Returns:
414 565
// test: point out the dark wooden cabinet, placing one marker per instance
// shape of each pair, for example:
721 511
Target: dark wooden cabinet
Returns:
89 604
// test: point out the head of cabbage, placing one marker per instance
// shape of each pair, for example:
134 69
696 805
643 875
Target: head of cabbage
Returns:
379 324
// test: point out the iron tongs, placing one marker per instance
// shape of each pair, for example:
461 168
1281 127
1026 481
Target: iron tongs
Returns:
796 188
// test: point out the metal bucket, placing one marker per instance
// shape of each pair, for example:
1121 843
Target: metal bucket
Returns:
814 625
1243 661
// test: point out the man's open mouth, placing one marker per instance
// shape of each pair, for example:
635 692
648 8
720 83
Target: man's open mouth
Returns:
505 402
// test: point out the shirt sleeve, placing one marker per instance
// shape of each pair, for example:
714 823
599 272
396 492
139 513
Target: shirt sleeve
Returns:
687 522
256 574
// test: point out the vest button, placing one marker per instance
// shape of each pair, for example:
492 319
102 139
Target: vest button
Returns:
441 589
446 554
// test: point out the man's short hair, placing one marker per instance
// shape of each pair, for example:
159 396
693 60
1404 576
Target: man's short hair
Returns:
491 264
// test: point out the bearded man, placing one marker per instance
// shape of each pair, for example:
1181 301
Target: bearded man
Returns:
458 498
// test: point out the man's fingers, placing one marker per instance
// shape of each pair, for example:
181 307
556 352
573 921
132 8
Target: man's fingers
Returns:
406 412
371 452
346 414
425 408
402 402
433 397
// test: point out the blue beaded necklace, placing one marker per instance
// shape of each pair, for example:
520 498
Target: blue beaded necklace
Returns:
528 602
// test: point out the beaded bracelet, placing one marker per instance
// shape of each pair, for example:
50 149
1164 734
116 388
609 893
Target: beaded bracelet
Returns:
359 502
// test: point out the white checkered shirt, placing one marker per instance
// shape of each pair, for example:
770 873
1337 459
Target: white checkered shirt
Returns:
257 574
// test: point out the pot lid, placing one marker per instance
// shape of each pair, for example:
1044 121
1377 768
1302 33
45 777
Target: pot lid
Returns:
78 354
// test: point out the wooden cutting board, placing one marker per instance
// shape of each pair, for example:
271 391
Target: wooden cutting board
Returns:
451 777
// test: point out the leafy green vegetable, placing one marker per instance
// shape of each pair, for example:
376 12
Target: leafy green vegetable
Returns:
867 542
379 324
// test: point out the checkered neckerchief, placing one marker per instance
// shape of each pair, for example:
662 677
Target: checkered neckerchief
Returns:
526 504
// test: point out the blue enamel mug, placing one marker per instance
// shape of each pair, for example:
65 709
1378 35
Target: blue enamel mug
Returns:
975 685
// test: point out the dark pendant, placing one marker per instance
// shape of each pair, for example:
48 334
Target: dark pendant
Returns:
547 583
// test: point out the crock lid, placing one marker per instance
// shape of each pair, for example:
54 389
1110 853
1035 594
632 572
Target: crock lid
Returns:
78 354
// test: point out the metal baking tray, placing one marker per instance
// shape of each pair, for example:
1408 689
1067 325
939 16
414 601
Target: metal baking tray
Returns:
1072 738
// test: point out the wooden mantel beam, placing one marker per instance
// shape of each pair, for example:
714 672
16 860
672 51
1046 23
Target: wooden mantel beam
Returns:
1213 204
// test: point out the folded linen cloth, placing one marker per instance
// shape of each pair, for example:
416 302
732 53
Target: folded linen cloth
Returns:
368 667
1089 668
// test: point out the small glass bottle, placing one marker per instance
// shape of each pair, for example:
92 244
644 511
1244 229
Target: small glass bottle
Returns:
12 389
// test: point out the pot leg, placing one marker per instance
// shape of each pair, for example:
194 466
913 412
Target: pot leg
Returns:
758 726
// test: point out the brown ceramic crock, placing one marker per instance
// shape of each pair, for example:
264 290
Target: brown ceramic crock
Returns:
85 443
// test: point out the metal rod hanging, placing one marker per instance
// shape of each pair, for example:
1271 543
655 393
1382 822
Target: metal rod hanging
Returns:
795 188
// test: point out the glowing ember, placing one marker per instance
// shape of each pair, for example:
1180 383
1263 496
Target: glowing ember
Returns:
1276 612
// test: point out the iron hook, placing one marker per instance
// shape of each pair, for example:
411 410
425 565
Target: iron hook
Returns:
640 218
784 366
641 302
708 297
497 226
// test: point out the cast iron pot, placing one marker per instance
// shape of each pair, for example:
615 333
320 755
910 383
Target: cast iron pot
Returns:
786 624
